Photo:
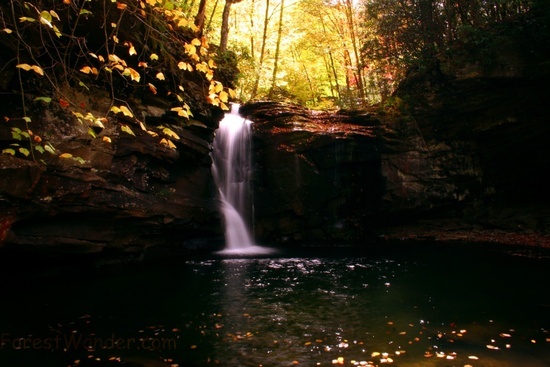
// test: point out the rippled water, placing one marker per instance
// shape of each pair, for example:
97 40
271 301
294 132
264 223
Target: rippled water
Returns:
422 306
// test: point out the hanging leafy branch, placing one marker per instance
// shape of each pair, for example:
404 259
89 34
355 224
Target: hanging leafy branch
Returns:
132 47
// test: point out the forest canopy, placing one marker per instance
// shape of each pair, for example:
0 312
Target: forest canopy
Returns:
318 53
349 53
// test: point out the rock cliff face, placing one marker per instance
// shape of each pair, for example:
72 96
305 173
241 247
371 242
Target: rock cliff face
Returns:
317 175
469 153
132 198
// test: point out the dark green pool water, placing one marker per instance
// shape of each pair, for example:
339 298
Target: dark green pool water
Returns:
421 305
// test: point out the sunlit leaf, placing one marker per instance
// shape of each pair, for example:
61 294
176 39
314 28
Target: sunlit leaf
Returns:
46 18
43 99
132 50
84 11
223 96
121 6
106 139
49 148
27 19
79 160
91 132
8 151
134 75
160 76
154 57
152 88
168 143
54 14
190 49
39 148
66 155
7 30
196 42
86 70
232 93
127 130
126 112
27 119
169 132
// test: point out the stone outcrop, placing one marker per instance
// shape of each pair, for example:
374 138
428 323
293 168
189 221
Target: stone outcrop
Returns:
132 197
469 153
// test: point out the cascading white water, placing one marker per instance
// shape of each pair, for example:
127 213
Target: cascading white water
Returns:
232 173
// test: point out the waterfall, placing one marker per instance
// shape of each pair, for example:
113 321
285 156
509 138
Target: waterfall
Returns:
232 171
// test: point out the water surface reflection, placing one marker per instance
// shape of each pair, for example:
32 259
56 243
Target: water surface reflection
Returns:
428 306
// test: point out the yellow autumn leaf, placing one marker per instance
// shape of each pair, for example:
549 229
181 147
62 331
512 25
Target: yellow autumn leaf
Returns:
232 93
196 42
25 67
190 49
212 64
86 70
223 96
154 57
106 139
37 69
132 50
126 112
66 155
224 106
183 22
134 75
142 64
54 14
7 30
168 143
152 2
127 130
152 88
169 132
160 76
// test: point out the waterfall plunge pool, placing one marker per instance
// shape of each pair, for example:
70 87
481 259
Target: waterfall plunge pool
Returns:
420 305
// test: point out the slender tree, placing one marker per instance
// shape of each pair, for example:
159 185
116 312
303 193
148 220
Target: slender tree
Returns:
262 52
277 51
199 18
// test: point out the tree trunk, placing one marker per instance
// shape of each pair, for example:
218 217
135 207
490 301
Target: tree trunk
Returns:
225 26
277 50
199 19
262 52
351 26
